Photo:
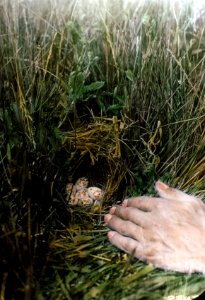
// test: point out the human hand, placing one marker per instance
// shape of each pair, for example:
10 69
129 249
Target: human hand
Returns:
166 231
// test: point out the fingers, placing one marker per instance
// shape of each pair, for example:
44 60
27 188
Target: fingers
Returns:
144 203
132 247
126 244
125 228
170 193
132 214
148 204
162 258
156 230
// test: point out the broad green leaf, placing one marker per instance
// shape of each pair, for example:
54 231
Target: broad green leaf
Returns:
129 75
93 86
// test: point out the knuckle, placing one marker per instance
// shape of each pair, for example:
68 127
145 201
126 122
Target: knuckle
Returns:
123 212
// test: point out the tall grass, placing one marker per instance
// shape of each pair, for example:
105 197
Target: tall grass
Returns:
111 91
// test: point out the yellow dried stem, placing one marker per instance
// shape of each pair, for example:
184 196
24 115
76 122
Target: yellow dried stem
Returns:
26 117
101 138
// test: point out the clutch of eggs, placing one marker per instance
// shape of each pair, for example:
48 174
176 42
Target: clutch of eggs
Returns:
80 194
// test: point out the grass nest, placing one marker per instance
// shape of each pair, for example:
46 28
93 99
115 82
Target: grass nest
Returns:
96 153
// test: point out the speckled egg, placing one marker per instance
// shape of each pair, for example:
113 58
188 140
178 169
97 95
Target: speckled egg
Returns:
70 189
73 200
95 193
81 183
85 201
82 194
83 198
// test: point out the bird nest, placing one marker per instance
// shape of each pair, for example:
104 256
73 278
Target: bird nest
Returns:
99 145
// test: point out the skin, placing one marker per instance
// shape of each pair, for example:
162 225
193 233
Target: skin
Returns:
166 231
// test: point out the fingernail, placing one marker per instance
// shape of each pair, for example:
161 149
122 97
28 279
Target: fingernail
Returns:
111 234
112 210
161 185
125 202
107 218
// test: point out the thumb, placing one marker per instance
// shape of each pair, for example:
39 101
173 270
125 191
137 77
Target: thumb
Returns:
170 193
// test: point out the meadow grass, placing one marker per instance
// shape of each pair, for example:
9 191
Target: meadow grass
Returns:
110 91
